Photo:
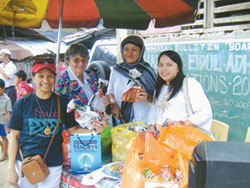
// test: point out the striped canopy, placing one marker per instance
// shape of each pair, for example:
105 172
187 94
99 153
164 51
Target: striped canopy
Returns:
130 14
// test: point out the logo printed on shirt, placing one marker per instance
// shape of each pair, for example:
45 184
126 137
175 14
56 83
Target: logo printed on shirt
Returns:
37 125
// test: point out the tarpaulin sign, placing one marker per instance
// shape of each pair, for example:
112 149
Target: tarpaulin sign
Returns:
85 152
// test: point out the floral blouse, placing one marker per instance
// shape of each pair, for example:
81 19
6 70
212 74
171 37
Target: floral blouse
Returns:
72 90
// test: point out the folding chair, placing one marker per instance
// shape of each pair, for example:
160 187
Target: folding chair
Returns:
247 139
219 130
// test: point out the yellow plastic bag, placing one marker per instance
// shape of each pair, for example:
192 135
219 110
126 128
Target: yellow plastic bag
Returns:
122 139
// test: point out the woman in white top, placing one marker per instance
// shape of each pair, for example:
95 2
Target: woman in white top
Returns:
132 49
169 106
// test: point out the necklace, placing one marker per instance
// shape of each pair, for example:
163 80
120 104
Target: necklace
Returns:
47 130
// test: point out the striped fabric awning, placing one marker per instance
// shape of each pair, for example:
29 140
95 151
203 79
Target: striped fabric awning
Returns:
130 14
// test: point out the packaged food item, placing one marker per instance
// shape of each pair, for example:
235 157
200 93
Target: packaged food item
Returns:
133 88
149 174
85 116
96 100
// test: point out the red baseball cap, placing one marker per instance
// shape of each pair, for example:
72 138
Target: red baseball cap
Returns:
44 63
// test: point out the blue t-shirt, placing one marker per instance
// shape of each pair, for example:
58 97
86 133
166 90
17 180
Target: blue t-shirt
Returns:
28 118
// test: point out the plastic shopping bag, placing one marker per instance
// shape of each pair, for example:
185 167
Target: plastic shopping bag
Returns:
66 148
182 138
106 141
122 138
161 168
164 160
96 100
133 88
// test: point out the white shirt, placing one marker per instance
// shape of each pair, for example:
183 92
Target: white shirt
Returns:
117 85
10 70
175 109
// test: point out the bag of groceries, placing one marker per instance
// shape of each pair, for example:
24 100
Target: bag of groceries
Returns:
162 162
122 138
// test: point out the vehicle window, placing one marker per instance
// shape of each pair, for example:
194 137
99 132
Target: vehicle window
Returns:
105 53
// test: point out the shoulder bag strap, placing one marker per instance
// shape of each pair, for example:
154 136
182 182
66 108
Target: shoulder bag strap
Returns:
57 125
186 96
52 138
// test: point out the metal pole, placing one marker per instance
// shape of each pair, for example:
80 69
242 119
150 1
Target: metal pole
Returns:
61 2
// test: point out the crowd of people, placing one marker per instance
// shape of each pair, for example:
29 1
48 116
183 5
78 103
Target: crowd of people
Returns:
32 121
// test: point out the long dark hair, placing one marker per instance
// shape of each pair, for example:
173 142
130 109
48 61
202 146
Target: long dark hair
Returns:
175 84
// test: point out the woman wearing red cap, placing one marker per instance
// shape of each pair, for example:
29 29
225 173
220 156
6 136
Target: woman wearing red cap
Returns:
33 123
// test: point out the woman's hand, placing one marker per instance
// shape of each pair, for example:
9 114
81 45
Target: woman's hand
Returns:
14 137
99 126
115 110
183 123
12 177
106 100
142 96
173 123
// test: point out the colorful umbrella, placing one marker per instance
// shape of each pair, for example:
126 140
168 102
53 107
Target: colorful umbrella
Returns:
130 14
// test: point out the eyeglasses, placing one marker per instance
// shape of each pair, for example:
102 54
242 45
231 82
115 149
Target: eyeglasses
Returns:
83 60
44 61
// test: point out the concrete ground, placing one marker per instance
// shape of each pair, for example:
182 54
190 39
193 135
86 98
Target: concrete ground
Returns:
3 174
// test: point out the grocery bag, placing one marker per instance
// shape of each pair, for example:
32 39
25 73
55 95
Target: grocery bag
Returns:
141 168
164 160
122 137
85 152
66 148
182 138
106 141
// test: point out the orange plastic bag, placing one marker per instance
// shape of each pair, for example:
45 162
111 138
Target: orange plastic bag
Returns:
182 138
155 156
131 176
66 148
173 148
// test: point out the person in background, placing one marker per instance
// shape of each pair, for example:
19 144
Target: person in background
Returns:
169 106
7 71
29 81
5 112
22 87
132 49
33 123
76 82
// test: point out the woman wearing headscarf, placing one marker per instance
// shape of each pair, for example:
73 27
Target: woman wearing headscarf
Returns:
132 49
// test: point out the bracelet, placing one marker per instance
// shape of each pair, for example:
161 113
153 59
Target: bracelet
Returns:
182 122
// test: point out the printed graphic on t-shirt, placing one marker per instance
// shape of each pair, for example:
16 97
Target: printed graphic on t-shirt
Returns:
40 125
